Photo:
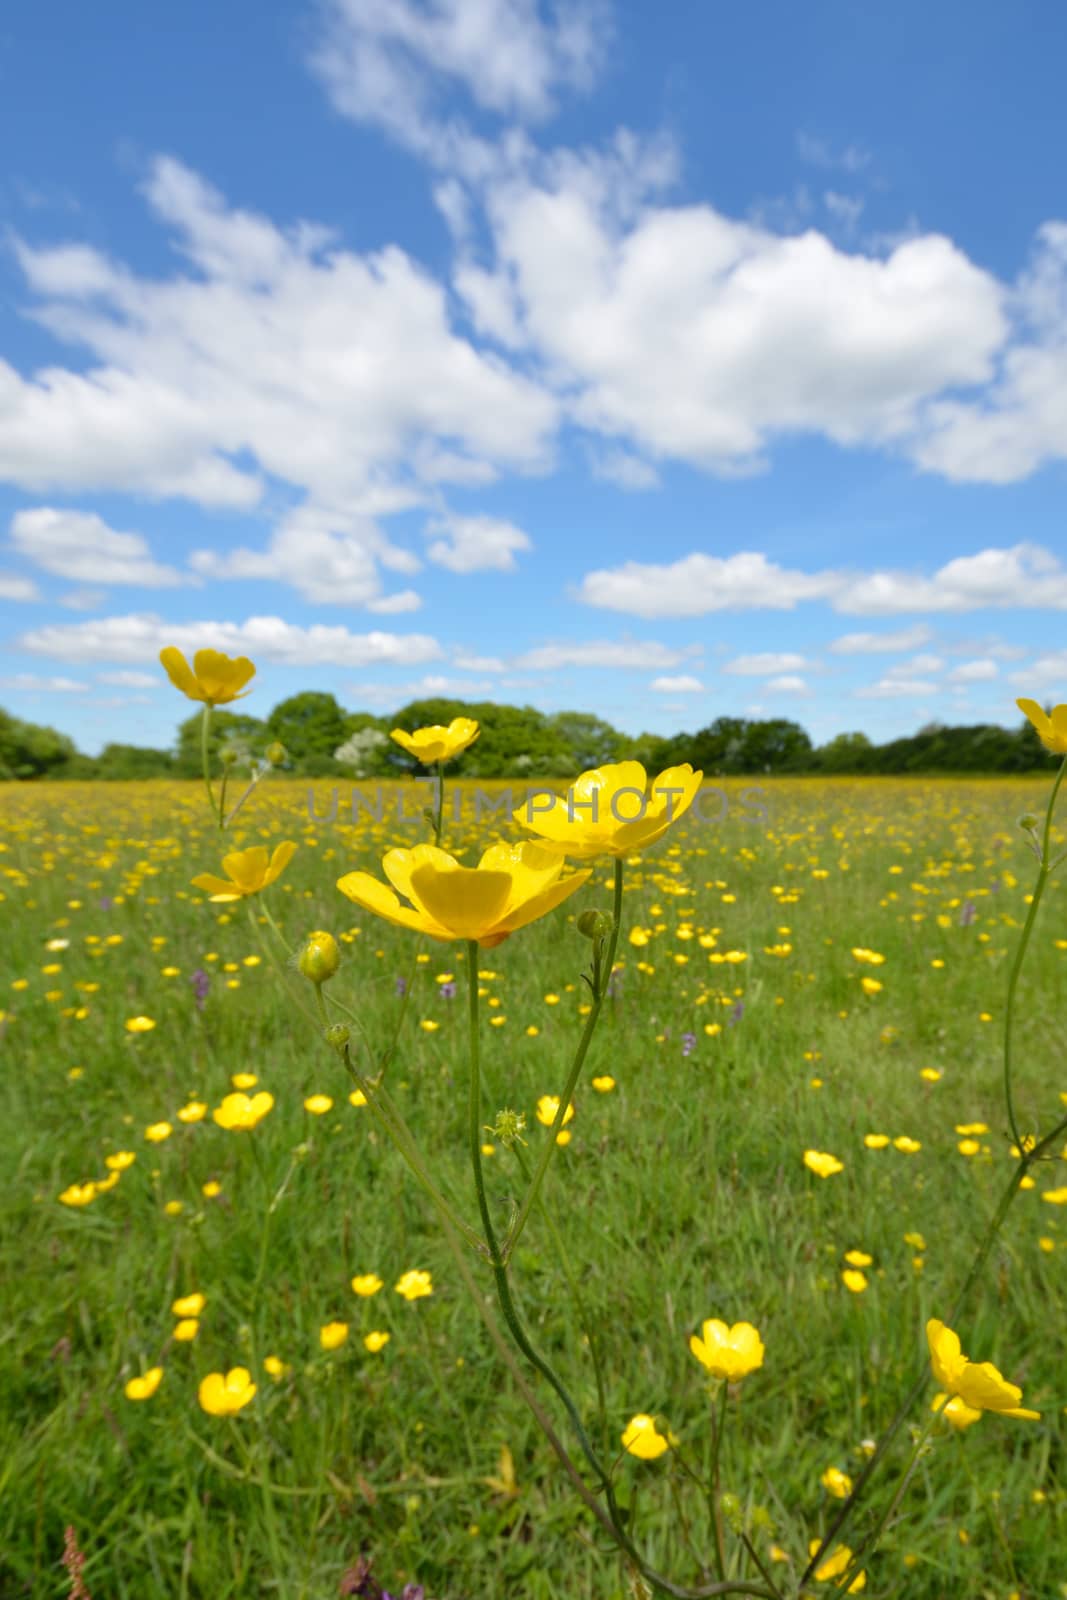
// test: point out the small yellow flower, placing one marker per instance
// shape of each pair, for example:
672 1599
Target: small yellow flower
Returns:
376 1340
275 1367
79 1194
239 1111
837 1483
120 1160
871 986
822 1163
434 744
139 1024
977 1384
1055 1197
187 1329
604 1084
318 1104
213 678
642 1438
854 1280
144 1388
357 1098
247 872
211 1189
366 1284
173 1208
547 1107
833 1569
858 1258
223 1394
1051 727
332 1335
610 810
414 1285
908 1145
194 1111
728 1352
157 1132
189 1305
876 1141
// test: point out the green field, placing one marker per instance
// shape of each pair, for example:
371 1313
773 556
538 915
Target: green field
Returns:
681 1196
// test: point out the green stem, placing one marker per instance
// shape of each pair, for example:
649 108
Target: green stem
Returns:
718 1425
205 762
278 934
1043 873
871 1539
603 979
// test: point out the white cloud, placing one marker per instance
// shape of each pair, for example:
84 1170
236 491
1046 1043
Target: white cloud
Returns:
844 208
625 470
788 683
475 544
79 545
264 639
698 584
275 354
980 671
851 644
919 666
396 694
683 684
383 61
12 587
472 663
629 653
1025 575
329 558
764 664
83 599
30 683
687 335
893 688
1047 675
131 680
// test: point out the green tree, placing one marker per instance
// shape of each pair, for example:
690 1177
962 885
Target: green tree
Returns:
29 750
590 741
247 735
310 726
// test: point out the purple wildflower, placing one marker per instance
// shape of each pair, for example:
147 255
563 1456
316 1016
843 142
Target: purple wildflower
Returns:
736 1013
968 913
401 986
201 982
689 1041
447 991
105 903
614 984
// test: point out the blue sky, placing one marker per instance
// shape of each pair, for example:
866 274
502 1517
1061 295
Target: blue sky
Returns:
662 362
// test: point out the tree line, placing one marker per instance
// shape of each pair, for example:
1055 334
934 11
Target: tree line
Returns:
322 739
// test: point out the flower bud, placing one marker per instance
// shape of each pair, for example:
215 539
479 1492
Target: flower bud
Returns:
731 1510
319 957
595 925
337 1035
1028 822
276 753
508 1127
228 756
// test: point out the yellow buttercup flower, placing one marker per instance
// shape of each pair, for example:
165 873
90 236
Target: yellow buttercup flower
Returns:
610 810
223 1394
189 1305
837 1483
512 885
547 1107
79 1194
728 1352
365 1284
822 1163
414 1285
144 1388
318 1104
239 1111
120 1160
643 1439
247 872
833 1569
1051 727
376 1340
187 1329
977 1384
430 745
213 678
332 1335
139 1024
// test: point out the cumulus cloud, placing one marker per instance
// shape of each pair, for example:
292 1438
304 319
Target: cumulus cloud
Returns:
30 683
266 639
13 587
787 683
1025 575
331 558
475 544
81 546
765 663
683 684
388 695
980 671
385 62
904 639
277 354
627 653
892 688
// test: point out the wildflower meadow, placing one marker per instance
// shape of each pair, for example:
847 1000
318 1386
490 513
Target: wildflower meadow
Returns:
619 1197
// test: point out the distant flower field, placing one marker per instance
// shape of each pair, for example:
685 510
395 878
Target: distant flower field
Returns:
239 1358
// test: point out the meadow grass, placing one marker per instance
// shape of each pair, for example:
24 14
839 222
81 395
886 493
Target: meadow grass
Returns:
682 1195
